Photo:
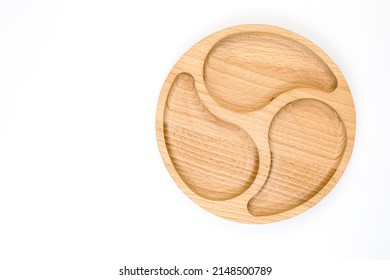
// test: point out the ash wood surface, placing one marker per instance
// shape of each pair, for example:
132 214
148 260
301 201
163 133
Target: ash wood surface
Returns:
255 124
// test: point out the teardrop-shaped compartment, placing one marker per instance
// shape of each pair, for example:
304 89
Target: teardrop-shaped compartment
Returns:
245 71
307 140
216 159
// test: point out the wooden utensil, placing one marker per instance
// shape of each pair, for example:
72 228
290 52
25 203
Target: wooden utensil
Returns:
255 123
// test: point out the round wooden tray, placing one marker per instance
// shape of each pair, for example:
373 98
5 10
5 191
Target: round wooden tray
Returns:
255 124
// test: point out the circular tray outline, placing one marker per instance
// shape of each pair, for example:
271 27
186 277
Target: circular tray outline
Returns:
233 209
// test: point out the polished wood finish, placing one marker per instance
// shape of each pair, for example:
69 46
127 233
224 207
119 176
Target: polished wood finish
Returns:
255 124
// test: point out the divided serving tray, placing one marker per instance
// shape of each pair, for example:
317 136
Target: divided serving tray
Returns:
255 124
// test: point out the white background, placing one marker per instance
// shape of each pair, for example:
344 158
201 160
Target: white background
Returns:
83 190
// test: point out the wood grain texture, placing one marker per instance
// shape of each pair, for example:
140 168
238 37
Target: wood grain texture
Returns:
307 140
255 124
246 71
216 159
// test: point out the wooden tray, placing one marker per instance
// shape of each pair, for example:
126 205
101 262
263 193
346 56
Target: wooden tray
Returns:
255 124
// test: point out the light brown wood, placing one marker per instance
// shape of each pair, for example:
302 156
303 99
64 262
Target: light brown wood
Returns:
255 124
